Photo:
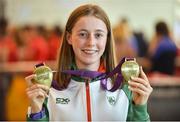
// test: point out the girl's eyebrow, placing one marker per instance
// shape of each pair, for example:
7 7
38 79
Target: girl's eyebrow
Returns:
100 30
82 30
97 30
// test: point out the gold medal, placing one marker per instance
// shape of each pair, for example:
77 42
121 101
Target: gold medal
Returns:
130 68
44 74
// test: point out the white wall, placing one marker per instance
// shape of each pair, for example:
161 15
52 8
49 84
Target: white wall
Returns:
142 14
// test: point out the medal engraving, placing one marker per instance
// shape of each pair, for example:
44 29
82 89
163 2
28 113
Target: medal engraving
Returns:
129 68
44 75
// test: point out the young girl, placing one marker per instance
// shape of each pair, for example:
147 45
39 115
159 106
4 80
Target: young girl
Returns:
88 46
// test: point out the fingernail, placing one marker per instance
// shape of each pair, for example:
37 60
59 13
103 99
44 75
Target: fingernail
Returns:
46 95
132 77
141 68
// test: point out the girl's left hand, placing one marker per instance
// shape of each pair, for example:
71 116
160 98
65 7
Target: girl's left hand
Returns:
141 88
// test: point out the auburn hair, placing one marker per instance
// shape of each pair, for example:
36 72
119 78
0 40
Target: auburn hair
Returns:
66 54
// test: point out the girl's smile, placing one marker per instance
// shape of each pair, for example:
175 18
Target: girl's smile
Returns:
88 39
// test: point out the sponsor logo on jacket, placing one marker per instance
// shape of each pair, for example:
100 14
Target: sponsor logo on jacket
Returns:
61 100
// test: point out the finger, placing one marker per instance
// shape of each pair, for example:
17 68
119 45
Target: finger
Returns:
137 90
41 92
137 85
30 79
34 95
37 93
142 74
140 80
37 86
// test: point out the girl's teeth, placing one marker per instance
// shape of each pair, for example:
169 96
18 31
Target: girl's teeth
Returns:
89 51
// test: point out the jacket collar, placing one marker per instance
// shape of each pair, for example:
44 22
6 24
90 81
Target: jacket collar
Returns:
80 79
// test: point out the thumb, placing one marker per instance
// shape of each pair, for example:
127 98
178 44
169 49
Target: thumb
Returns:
142 74
29 79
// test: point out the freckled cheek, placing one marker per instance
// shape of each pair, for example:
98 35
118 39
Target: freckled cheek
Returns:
102 45
78 42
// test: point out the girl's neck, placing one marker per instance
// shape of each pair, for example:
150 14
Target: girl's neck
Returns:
91 67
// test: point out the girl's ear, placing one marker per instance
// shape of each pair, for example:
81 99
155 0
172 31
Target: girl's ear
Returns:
68 37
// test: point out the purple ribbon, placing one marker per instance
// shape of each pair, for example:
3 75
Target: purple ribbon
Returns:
101 76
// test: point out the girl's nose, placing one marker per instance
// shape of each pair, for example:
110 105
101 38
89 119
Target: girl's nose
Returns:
91 40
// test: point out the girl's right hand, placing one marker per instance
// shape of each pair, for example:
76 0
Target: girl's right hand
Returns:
36 94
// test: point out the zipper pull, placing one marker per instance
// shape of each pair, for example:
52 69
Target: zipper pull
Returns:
87 80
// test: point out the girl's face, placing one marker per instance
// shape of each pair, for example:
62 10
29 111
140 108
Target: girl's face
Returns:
88 40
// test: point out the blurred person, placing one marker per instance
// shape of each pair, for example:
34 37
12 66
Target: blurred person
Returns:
27 42
54 42
142 44
125 42
30 45
39 46
7 44
22 43
88 46
42 31
23 38
7 54
162 50
142 51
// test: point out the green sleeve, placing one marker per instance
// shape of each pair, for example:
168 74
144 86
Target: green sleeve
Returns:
135 112
46 117
138 113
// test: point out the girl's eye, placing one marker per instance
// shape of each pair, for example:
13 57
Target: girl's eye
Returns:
83 35
98 35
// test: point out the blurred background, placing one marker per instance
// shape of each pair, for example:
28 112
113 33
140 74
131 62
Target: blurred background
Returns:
149 30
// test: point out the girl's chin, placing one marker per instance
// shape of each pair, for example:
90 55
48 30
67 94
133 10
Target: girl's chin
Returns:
90 61
85 55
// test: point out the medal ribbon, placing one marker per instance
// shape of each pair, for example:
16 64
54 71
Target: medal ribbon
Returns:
101 76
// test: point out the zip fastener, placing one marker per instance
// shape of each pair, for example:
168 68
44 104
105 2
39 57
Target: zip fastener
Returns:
88 100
